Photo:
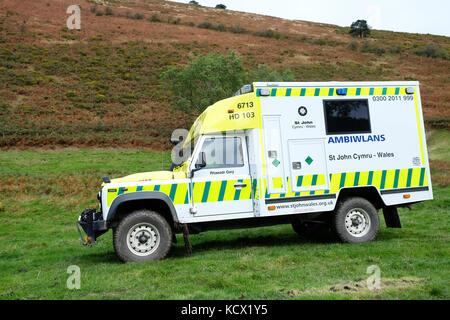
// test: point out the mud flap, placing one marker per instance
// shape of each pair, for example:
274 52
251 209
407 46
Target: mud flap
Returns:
187 243
391 217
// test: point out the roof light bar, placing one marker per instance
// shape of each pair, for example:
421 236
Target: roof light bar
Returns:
409 90
341 91
247 89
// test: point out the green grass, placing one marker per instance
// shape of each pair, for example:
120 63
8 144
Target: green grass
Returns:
438 145
44 192
103 161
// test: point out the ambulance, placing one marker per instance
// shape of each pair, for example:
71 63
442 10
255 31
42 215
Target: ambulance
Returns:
309 154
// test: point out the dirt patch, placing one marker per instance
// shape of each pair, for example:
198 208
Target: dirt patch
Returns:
356 287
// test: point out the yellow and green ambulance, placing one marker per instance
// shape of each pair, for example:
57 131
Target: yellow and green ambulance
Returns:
311 154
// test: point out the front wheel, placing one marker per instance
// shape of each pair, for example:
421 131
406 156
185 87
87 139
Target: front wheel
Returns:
356 220
143 235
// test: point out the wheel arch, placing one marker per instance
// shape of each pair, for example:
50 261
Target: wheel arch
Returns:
154 200
370 193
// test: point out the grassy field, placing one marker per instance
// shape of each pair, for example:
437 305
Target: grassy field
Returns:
101 86
43 192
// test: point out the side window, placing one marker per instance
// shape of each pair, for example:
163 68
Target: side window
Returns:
347 116
223 152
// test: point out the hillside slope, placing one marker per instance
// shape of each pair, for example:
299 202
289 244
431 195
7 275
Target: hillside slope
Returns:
101 85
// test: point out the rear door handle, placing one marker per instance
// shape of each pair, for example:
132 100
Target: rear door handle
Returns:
240 185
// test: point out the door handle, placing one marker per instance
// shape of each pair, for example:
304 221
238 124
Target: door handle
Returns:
240 185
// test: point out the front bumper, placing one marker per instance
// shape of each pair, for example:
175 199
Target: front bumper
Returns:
93 225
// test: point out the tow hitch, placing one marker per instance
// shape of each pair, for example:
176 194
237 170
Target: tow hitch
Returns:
92 224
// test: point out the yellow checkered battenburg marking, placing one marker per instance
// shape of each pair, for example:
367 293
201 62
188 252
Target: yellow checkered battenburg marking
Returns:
224 190
382 180
333 92
207 191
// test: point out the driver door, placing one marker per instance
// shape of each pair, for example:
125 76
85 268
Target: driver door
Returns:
223 185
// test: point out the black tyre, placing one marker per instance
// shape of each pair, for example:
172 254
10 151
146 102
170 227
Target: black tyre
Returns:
143 235
356 220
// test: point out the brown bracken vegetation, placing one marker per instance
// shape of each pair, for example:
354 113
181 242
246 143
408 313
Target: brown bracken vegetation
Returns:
101 85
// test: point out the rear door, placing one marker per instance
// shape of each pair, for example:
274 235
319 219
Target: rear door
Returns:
308 169
274 158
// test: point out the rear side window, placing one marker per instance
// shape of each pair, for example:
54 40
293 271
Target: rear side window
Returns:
347 116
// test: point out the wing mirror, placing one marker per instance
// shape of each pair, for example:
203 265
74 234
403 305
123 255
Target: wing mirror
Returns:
201 161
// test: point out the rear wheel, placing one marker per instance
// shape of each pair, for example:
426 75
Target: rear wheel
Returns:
143 235
356 220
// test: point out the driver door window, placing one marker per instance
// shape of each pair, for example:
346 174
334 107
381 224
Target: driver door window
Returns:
223 152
